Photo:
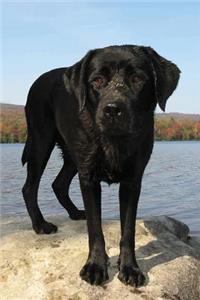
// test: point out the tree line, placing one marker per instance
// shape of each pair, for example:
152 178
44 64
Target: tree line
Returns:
172 129
13 126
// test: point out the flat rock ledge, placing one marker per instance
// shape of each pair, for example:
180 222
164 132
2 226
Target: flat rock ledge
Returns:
47 267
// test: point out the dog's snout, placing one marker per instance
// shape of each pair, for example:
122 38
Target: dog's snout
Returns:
113 110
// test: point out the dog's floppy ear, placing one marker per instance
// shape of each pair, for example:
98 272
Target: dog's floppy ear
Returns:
166 75
75 79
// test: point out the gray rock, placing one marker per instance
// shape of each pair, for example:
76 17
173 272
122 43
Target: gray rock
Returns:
47 267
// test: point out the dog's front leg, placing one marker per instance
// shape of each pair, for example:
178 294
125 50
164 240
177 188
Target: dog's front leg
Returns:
95 269
129 272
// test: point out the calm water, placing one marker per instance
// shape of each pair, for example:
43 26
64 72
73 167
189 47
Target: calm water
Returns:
171 185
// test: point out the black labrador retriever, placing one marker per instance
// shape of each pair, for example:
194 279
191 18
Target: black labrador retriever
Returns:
100 112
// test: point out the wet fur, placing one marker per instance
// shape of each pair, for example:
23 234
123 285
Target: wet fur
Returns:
63 109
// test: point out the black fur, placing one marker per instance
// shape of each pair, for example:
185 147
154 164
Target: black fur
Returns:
101 114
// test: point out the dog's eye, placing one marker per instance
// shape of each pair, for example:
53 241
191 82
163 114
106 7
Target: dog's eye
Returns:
98 81
137 79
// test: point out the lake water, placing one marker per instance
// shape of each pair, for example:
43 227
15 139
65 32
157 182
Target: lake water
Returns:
171 185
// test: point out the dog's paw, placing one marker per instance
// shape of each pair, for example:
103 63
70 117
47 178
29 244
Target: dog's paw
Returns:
45 228
94 273
131 275
77 215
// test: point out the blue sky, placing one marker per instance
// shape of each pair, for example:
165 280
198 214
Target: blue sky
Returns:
41 35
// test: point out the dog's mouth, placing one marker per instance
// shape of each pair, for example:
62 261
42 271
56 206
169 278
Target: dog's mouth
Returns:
114 120
129 127
114 129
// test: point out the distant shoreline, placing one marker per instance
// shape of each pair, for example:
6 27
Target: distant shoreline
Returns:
23 143
168 126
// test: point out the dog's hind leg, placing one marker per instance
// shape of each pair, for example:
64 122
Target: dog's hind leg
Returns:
61 189
40 148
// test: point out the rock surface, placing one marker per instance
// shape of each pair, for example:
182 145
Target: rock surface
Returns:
47 267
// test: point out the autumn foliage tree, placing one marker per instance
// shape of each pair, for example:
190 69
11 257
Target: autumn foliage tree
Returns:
177 128
12 124
167 127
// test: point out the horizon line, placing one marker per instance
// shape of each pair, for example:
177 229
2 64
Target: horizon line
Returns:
171 112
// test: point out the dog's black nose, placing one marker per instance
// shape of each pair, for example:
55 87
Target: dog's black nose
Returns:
112 110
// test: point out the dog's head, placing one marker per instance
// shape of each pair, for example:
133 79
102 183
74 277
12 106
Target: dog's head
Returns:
121 85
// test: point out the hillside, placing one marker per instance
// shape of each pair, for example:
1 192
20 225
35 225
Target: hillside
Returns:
168 126
12 123
179 116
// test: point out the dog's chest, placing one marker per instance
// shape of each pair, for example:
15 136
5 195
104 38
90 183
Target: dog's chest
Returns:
112 164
